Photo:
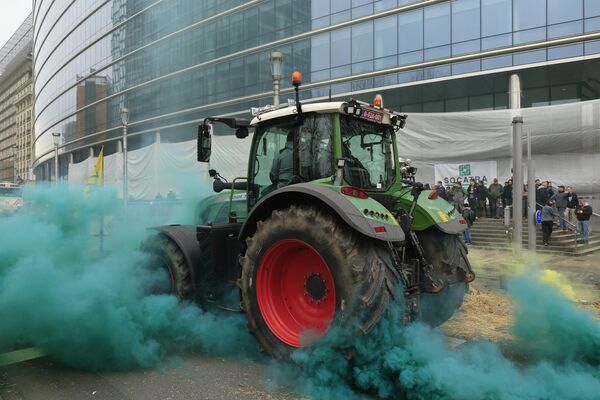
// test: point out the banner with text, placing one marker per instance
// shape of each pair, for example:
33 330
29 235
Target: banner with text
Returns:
485 171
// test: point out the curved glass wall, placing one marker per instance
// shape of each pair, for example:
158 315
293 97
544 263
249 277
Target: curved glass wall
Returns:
173 62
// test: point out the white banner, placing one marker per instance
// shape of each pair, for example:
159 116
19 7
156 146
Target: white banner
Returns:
485 171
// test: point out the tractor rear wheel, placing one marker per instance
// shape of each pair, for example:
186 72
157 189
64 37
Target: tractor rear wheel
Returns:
446 253
174 275
305 270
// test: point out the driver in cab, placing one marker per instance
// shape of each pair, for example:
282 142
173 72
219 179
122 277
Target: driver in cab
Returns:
282 169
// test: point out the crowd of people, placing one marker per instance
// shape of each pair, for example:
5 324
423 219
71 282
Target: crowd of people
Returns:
561 205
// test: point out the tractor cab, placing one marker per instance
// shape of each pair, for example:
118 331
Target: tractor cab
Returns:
341 143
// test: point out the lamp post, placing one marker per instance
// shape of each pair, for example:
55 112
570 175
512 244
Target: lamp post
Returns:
276 58
15 148
125 121
56 139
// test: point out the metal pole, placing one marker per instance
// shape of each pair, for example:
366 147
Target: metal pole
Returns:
56 163
514 97
276 92
517 182
15 148
531 233
125 187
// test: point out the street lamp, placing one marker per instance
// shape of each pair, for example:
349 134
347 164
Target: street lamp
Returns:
15 148
56 139
125 121
276 58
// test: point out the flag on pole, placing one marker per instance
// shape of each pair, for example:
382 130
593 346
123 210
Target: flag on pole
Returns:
97 176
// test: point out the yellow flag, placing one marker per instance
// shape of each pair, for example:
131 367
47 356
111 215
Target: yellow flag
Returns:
97 176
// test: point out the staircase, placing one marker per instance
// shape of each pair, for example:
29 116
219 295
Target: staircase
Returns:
492 234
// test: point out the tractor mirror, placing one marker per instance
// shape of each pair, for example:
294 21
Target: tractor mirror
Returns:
204 142
241 133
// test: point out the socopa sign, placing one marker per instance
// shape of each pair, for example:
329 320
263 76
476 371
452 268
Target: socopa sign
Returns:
462 173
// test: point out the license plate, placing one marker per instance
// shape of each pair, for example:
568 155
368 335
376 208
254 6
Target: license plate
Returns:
371 116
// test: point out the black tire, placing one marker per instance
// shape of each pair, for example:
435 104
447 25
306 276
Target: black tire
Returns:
166 255
361 269
446 253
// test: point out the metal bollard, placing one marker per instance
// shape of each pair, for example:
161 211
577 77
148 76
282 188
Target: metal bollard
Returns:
507 215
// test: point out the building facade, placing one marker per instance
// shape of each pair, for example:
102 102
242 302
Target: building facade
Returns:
16 105
173 62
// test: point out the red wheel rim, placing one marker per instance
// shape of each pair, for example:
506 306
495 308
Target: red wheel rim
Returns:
295 292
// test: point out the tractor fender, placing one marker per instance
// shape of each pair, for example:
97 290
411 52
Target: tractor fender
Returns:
184 236
453 227
322 196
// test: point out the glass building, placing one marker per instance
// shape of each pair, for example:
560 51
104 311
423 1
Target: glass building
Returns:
174 62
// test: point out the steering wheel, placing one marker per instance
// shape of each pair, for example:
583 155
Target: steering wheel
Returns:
256 166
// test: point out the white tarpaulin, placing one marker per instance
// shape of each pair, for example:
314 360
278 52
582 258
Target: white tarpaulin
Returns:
565 142
565 139
448 174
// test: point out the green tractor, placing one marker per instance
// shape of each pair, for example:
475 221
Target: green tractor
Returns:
326 228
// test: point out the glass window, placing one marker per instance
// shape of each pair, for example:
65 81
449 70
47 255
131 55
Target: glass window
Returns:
566 29
339 5
315 147
592 24
466 67
483 102
437 53
340 47
319 8
592 47
528 14
459 104
527 57
411 58
362 11
362 42
573 50
530 35
471 46
437 25
465 20
592 8
496 62
385 5
563 11
564 94
386 36
496 41
274 163
368 149
410 31
536 97
496 17
340 17
319 52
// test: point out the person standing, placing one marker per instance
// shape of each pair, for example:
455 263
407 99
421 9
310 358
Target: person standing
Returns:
469 216
572 205
561 204
583 217
471 195
494 194
458 196
548 215
541 195
481 196
507 194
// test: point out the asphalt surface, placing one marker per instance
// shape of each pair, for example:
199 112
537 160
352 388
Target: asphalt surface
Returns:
194 377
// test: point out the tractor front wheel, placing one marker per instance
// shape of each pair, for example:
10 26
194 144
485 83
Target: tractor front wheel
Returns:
303 271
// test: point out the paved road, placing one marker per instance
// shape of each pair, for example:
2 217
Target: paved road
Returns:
196 377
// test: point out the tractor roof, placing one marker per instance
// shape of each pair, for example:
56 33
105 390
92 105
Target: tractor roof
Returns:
268 114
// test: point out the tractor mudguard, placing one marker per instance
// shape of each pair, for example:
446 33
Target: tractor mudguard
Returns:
433 212
184 237
383 227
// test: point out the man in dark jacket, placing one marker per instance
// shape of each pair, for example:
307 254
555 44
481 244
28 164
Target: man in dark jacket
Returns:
572 205
548 215
471 198
494 194
541 195
561 204
481 196
507 194
469 216
583 216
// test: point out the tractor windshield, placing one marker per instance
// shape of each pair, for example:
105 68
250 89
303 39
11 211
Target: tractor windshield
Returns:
368 150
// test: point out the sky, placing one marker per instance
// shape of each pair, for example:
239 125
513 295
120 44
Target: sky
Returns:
12 16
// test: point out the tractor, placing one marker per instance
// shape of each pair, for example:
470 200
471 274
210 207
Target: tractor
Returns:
328 227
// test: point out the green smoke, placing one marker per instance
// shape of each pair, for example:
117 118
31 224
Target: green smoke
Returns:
558 348
90 308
